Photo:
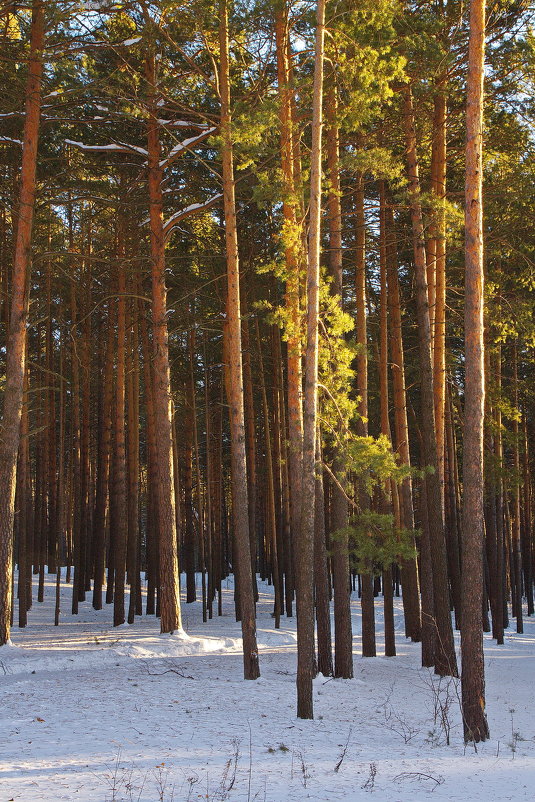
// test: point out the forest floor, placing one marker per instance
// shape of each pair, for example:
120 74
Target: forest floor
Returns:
98 714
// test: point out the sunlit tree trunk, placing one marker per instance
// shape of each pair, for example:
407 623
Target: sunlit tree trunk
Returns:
343 635
321 578
305 556
170 616
367 599
473 676
292 239
439 315
16 342
250 439
235 394
271 516
386 495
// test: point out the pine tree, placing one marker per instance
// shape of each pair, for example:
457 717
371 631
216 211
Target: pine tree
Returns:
16 345
473 694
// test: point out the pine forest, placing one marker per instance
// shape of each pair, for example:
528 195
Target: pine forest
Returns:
267 400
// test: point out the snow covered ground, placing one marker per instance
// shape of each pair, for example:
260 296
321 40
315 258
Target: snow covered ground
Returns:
95 714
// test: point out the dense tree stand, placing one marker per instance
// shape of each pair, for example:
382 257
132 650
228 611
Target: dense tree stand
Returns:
240 346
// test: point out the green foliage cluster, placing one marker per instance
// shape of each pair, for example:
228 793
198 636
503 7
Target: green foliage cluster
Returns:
375 543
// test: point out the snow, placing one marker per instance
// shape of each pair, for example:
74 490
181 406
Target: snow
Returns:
187 143
82 146
121 147
94 713
182 124
193 207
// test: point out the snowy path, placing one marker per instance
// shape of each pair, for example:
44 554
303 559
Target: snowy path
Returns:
93 713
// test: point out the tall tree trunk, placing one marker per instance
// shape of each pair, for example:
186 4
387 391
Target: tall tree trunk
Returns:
321 578
208 421
409 579
16 343
501 537
439 317
22 499
285 475
343 634
491 521
187 451
290 208
445 660
452 510
50 423
85 422
249 439
103 467
367 598
133 541
473 677
200 498
119 473
527 545
152 527
61 539
237 415
516 509
170 615
387 494
271 516
305 557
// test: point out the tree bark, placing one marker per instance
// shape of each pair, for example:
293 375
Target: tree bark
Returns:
271 516
305 557
187 475
235 396
16 343
385 494
369 648
445 660
439 316
133 540
321 580
170 614
473 677
409 580
103 467
292 240
119 477
343 634
516 509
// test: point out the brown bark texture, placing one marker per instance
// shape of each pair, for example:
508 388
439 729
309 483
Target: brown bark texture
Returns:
170 614
235 369
305 556
472 677
16 344
445 659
